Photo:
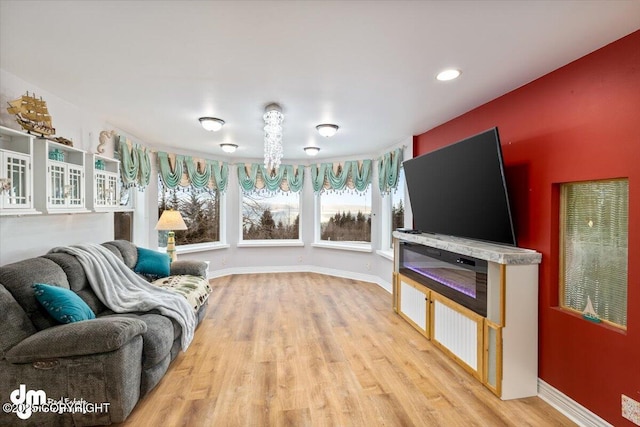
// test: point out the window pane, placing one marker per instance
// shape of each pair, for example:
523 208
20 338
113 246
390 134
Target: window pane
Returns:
345 216
200 209
594 247
270 216
397 205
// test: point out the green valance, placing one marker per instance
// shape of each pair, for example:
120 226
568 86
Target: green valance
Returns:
220 171
389 170
199 175
184 171
255 176
135 165
352 174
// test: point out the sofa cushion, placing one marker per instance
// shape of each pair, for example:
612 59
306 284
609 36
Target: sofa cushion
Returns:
152 375
18 278
78 281
190 267
157 340
72 268
153 263
77 339
195 289
124 250
62 304
16 326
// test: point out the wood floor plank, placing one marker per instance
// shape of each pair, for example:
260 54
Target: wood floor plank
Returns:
302 349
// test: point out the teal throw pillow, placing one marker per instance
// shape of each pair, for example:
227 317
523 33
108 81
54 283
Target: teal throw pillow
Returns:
62 304
152 263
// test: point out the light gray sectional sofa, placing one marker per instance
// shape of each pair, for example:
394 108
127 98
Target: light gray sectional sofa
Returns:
114 358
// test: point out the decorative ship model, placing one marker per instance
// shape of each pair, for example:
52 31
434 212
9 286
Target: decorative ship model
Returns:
589 313
32 114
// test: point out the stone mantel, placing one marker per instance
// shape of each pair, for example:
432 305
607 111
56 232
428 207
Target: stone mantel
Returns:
501 254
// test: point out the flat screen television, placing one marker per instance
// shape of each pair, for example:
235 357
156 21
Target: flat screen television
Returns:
460 190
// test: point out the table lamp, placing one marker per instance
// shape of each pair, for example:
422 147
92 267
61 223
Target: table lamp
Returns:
171 220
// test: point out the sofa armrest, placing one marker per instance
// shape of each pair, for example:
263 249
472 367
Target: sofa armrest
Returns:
192 268
76 339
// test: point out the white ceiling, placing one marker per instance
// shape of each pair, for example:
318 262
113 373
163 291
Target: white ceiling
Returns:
151 68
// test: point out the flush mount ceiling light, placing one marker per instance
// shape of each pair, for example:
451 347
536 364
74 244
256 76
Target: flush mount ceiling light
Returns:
228 148
311 151
273 118
448 74
211 123
327 130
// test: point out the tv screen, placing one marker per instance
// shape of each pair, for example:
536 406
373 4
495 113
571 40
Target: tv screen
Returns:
460 190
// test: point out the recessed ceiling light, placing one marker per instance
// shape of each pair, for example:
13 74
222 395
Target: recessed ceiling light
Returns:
311 151
327 130
228 148
211 123
449 74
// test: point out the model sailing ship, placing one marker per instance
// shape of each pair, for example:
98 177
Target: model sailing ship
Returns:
32 114
589 313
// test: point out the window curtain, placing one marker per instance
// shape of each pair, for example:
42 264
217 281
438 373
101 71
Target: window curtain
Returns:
255 176
178 170
135 164
389 171
352 174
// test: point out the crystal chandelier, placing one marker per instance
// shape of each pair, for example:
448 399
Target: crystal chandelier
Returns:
272 136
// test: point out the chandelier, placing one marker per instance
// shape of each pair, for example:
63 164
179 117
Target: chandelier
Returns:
273 118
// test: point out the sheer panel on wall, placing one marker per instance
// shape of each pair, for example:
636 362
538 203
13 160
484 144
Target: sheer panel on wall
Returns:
594 248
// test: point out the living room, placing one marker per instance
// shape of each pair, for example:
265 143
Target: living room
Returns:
574 122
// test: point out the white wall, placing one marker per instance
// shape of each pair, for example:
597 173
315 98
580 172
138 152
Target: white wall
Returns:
23 237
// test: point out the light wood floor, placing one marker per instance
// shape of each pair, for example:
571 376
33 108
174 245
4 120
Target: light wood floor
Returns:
302 349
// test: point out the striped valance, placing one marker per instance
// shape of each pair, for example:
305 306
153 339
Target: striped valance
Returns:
135 164
184 171
389 170
353 174
255 176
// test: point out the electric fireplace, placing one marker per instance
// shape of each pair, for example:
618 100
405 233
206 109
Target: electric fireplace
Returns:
462 279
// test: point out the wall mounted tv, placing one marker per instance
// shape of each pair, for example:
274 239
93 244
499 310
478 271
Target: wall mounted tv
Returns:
460 190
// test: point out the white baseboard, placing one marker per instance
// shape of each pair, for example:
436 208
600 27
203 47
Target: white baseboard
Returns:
569 407
303 268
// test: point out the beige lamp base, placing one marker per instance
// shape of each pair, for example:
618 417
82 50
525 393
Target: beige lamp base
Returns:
171 246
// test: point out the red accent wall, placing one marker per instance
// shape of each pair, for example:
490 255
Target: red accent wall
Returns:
580 122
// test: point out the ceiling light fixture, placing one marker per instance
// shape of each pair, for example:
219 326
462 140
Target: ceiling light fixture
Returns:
228 148
211 123
327 130
273 118
448 74
311 151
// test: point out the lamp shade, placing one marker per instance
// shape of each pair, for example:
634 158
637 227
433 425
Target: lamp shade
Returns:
171 220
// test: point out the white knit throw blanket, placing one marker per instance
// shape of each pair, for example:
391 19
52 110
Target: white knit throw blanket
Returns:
123 291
